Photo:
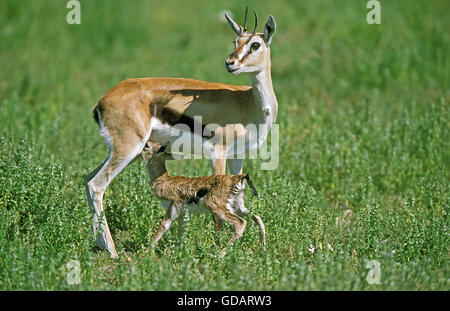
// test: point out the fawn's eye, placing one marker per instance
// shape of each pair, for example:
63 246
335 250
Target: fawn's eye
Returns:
255 46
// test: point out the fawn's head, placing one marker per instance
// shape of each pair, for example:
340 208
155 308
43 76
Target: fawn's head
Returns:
252 49
155 154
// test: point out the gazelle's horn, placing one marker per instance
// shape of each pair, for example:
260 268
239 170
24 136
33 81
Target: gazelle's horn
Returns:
245 20
256 21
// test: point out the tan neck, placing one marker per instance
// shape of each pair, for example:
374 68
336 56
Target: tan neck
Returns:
156 170
263 89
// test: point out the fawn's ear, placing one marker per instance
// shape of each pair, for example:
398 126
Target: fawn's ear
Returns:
163 148
147 152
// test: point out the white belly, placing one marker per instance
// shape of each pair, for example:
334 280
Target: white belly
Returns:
187 142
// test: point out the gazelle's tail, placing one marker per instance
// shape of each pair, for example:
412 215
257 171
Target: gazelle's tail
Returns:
97 111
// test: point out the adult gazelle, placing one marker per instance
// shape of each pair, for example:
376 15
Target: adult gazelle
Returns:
138 110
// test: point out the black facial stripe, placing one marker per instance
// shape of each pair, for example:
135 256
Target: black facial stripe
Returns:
249 50
246 42
248 53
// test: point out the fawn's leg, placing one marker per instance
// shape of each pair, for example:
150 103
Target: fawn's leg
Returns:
217 227
169 217
238 223
181 223
262 230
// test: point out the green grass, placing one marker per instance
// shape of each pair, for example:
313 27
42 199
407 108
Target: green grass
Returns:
364 147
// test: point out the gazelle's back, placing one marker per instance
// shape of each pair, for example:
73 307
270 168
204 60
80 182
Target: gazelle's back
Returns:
198 193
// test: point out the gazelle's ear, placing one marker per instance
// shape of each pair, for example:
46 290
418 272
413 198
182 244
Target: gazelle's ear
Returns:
269 30
238 29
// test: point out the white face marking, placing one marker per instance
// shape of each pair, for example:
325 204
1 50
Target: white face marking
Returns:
248 59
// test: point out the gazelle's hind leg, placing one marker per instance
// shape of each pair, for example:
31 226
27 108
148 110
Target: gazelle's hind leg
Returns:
87 178
96 186
94 195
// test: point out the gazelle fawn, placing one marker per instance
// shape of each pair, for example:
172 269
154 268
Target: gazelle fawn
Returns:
147 109
220 195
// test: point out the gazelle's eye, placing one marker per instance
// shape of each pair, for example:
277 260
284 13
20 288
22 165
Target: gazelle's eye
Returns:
255 46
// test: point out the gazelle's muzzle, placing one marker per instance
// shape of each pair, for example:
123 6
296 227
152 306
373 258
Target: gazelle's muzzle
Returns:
232 62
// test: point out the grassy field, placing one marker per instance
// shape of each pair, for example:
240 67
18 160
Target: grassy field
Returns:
364 146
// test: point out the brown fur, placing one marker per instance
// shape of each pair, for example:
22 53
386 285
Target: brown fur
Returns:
177 95
219 188
216 191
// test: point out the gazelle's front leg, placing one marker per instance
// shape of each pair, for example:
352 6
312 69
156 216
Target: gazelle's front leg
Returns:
235 166
218 163
218 166
171 214
218 160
